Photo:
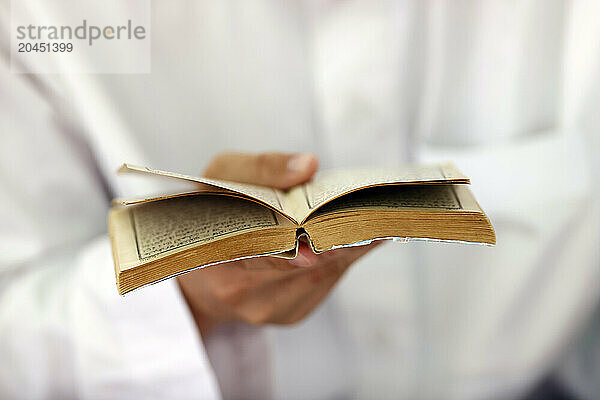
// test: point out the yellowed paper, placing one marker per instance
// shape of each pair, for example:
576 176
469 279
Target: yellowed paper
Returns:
164 226
328 185
439 197
300 201
263 194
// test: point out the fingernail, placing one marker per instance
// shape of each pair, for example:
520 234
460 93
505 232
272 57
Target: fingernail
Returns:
300 162
301 261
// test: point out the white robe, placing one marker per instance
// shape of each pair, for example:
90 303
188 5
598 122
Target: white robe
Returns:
508 90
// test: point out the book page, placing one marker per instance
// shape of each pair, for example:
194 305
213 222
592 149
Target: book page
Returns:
328 185
295 203
130 201
265 195
440 197
163 226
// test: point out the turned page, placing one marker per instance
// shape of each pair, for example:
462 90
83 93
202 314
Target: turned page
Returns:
157 229
328 185
299 202
452 197
268 196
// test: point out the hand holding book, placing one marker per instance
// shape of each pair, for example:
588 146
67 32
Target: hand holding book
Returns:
265 289
270 203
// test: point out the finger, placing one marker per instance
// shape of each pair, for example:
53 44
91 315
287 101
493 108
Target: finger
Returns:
351 253
277 301
288 300
305 257
291 295
321 280
278 170
307 303
298 294
274 264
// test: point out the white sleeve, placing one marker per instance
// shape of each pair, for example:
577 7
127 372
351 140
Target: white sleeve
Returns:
66 333
64 330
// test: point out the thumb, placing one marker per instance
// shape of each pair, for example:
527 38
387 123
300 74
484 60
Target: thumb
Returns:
278 170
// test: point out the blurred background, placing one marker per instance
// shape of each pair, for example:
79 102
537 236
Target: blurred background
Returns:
508 90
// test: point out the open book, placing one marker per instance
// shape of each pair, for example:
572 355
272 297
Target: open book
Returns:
154 238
